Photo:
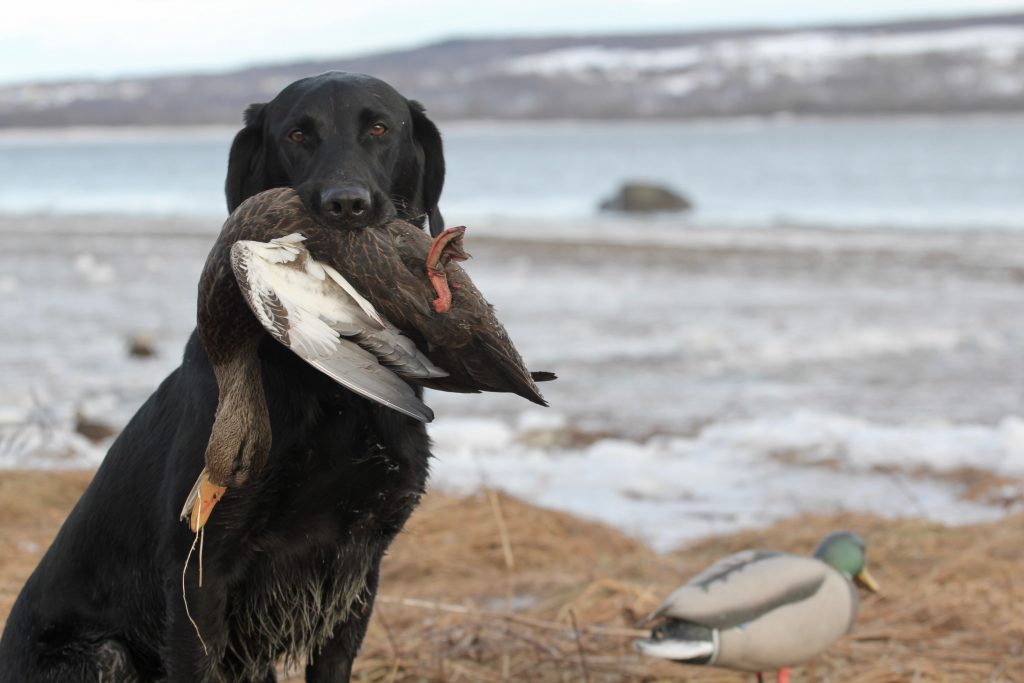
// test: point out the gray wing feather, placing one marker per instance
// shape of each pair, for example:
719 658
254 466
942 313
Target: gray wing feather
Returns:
744 586
358 370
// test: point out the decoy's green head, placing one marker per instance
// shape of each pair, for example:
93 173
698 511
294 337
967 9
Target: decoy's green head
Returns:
844 550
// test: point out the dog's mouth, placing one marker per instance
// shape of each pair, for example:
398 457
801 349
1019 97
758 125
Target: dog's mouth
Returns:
348 206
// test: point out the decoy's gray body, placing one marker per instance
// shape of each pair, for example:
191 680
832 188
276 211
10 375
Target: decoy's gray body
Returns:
760 610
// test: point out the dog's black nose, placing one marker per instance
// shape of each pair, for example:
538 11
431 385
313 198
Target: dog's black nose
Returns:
349 203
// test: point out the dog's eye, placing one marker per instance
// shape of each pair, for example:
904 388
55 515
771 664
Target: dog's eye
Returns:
378 129
297 136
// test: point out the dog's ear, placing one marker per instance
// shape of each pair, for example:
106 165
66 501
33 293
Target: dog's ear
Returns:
247 159
428 137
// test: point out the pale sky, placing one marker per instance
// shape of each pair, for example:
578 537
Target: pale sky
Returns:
57 39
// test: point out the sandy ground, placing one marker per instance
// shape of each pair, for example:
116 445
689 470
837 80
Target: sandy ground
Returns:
487 588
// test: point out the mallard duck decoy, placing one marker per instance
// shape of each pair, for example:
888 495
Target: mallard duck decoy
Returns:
760 610
374 308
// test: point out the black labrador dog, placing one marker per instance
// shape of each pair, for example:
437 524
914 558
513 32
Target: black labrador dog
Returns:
290 561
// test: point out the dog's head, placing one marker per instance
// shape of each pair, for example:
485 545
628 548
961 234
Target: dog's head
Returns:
357 152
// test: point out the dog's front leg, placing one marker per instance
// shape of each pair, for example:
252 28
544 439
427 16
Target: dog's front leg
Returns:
332 663
196 630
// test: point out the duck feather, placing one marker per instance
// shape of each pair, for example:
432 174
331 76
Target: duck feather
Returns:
310 308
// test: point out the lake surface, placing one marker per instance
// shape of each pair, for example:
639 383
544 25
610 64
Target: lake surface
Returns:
960 173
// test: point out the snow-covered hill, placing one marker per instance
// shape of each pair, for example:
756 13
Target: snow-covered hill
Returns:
935 67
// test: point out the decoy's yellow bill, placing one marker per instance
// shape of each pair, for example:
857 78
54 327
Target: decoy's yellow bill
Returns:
866 581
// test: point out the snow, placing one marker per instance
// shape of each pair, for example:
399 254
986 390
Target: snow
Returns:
597 58
95 271
43 96
997 43
802 56
860 445
993 43
738 474
670 490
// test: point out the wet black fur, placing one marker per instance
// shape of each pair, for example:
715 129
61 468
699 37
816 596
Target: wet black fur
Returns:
105 603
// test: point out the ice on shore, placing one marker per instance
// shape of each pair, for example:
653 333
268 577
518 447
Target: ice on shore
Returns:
738 474
670 489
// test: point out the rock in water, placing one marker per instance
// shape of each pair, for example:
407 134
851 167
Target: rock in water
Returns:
141 345
94 430
645 197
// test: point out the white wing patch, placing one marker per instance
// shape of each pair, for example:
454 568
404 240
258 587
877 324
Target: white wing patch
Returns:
679 650
363 303
281 250
309 307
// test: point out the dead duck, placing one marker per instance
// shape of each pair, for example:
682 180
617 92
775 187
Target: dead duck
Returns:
374 308
761 610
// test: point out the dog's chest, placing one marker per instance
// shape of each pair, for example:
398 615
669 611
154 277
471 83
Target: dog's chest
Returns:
290 606
326 512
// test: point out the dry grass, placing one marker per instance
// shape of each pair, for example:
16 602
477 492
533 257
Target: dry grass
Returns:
488 588
32 507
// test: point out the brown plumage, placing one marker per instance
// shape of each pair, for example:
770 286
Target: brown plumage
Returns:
367 306
388 265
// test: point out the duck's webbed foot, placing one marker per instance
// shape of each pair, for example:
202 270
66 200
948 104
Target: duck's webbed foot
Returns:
200 501
447 247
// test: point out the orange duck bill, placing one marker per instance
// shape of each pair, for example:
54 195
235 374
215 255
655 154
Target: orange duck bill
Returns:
201 500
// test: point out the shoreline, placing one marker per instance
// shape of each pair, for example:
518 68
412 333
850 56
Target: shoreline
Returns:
682 231
717 376
781 119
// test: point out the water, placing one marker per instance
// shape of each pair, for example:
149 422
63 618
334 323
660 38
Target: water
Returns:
945 173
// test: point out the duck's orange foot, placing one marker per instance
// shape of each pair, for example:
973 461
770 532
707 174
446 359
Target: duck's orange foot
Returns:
446 247
201 500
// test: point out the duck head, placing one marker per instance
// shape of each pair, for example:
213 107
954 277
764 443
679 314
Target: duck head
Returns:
845 551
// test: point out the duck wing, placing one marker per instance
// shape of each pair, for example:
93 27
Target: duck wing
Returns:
389 264
489 362
742 587
310 308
